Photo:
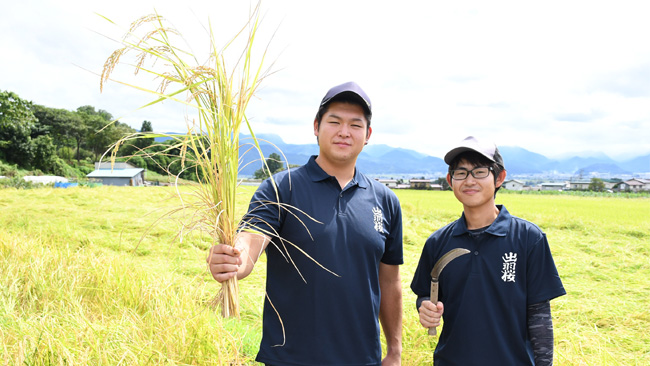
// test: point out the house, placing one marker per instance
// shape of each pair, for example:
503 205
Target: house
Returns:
553 186
579 185
122 174
513 185
420 183
436 187
610 183
633 185
117 165
390 183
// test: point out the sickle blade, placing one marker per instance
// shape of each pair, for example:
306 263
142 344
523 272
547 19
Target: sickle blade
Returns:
444 260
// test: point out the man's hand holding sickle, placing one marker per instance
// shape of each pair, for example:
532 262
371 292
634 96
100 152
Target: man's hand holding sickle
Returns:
435 275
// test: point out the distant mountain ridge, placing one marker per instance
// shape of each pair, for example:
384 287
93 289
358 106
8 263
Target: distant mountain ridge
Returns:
376 160
386 161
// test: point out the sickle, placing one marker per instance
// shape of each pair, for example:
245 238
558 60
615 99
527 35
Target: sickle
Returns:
435 274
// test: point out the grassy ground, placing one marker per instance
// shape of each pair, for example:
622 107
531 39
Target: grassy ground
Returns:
79 284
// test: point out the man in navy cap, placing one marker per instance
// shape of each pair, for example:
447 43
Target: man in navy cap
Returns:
495 300
336 247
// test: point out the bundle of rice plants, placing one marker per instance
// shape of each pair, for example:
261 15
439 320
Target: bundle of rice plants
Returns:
210 147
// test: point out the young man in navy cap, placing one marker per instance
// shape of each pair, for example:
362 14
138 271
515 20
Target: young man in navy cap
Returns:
494 300
325 313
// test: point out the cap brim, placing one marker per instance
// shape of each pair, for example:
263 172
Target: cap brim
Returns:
449 157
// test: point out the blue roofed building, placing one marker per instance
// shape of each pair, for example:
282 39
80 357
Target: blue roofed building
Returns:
120 174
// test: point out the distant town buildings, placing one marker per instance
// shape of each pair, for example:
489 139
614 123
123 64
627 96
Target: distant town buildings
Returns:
633 185
552 186
513 185
410 184
611 185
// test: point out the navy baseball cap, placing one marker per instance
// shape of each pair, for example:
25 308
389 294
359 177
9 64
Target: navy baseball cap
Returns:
351 88
471 143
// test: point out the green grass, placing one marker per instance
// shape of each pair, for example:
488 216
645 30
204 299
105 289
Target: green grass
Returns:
79 284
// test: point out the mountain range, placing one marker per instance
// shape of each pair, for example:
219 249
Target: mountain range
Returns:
386 161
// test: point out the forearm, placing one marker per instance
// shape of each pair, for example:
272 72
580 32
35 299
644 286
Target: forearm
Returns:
540 332
252 246
390 309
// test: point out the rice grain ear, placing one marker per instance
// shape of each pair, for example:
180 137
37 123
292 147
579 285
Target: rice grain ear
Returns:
210 148
109 66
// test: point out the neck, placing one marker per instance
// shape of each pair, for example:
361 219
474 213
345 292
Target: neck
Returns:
479 217
342 172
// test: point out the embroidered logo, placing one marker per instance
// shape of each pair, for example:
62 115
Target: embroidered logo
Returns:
378 218
509 264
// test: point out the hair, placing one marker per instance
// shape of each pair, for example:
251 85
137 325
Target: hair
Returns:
476 159
346 97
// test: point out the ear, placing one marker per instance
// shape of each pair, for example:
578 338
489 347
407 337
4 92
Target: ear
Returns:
501 178
368 134
315 127
449 179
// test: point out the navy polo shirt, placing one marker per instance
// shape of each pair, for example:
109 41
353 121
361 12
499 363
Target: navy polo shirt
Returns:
486 292
328 311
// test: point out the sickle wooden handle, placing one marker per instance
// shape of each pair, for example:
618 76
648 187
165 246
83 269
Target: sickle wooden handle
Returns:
434 300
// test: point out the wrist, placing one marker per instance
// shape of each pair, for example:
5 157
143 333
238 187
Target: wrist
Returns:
394 350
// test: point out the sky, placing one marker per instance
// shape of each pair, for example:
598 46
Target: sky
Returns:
558 78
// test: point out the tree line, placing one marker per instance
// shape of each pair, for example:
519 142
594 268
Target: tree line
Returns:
67 143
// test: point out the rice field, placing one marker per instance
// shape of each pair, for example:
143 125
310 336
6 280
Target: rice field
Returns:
89 277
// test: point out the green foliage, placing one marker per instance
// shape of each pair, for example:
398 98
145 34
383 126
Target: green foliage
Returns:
101 134
66 153
16 124
443 183
17 182
273 165
62 125
597 185
9 170
47 139
45 157
143 143
137 160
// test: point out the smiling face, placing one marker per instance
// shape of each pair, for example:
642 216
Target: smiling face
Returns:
342 133
475 193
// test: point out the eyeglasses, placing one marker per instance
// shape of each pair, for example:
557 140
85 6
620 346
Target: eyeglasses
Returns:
478 173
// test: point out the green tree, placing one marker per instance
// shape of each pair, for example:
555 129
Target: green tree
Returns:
101 131
16 123
597 185
274 163
443 183
45 157
143 143
66 128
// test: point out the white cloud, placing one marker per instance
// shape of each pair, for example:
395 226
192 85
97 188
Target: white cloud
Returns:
519 73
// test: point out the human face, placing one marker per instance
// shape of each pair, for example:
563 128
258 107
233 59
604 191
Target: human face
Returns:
475 192
342 133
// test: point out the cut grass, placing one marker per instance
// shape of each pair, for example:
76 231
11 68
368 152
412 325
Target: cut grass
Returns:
74 291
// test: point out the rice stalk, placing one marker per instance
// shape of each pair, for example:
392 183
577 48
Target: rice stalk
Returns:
219 95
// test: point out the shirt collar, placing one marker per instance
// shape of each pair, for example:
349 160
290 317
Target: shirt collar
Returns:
499 226
317 174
